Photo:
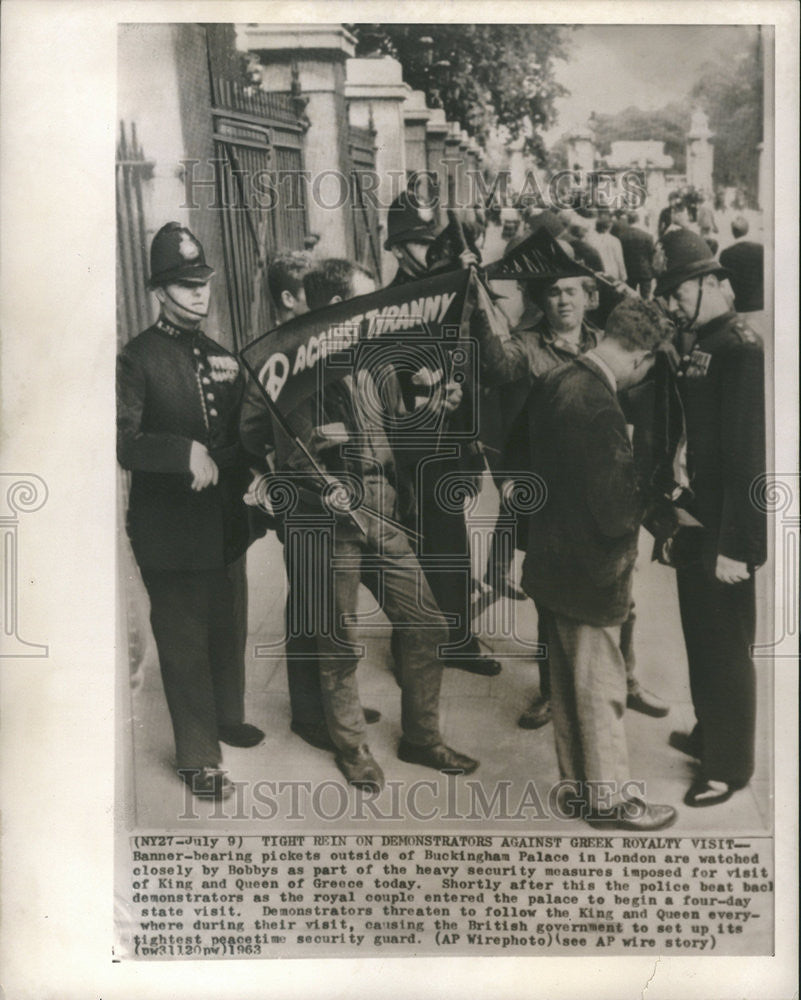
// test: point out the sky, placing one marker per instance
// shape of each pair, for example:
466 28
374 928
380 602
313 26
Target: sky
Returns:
612 67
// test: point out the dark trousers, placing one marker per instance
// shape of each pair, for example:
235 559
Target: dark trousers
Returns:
445 558
719 622
302 559
199 622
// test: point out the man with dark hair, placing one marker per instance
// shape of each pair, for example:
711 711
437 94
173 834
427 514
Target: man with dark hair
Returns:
178 398
721 384
336 280
285 274
352 411
638 256
580 556
744 260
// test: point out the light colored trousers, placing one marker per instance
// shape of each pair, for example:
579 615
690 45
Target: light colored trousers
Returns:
588 701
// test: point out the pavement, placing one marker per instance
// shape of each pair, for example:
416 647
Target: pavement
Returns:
479 716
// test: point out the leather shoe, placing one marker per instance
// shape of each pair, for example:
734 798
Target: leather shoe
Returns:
686 743
361 768
537 715
640 700
316 736
634 814
708 793
438 756
483 665
207 782
240 735
371 715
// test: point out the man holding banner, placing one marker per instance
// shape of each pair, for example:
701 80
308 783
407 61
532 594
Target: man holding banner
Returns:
442 463
329 380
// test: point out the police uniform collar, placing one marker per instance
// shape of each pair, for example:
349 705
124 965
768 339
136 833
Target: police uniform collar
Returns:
715 324
175 331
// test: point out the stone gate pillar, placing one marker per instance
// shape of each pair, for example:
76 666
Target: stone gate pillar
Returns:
317 54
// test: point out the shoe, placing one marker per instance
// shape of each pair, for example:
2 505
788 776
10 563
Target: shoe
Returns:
643 701
483 665
371 716
361 768
315 736
686 743
708 793
240 735
438 756
537 715
207 782
634 814
504 587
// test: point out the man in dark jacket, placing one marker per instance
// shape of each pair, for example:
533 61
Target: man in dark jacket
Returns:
638 256
721 383
745 262
178 398
582 546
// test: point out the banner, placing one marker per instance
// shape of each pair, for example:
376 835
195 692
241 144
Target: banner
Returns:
539 254
287 362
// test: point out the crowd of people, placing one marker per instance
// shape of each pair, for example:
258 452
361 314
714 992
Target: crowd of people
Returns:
623 375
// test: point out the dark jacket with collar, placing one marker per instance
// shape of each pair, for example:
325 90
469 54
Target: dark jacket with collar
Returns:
175 387
582 544
721 384
638 254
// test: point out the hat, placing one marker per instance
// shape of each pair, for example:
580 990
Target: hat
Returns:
176 255
537 257
409 219
686 255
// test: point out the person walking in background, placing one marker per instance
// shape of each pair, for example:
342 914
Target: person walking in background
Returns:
608 247
638 255
745 262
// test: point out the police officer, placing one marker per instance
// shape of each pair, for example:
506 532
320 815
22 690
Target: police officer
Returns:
721 384
411 234
178 398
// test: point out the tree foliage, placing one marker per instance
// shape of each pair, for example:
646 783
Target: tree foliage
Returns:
730 92
481 75
668 125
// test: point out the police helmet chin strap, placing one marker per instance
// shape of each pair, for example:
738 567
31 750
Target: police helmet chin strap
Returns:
689 325
194 312
411 266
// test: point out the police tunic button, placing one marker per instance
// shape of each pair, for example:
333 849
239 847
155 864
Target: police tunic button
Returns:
210 396
206 381
212 413
196 350
686 358
679 374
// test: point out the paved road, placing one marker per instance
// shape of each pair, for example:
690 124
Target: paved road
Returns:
479 716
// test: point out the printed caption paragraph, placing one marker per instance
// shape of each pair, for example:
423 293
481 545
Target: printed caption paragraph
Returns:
311 896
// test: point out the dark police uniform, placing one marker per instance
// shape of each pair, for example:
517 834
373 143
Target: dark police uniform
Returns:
176 386
721 383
